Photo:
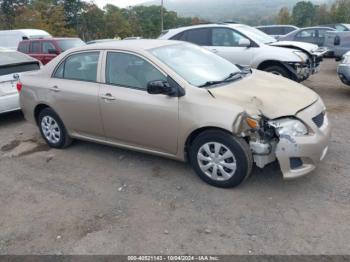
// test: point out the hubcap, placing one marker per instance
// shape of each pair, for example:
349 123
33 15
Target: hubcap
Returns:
50 129
216 161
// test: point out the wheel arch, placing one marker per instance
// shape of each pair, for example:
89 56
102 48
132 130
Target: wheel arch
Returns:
195 133
268 63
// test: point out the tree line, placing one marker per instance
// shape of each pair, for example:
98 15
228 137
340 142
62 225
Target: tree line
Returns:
87 20
305 13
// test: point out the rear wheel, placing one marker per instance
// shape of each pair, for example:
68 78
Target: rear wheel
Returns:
220 159
52 129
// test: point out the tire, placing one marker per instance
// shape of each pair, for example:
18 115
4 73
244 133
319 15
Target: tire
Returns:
230 171
278 70
52 129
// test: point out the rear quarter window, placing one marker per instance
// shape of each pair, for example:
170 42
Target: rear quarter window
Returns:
23 47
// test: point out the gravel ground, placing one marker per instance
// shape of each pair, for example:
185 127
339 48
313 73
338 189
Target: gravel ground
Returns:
94 199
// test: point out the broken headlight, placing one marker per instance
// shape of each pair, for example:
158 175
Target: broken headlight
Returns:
289 126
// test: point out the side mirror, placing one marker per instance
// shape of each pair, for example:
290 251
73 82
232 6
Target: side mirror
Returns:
244 42
160 87
52 51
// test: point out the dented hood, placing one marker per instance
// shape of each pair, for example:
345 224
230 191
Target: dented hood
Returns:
273 96
306 47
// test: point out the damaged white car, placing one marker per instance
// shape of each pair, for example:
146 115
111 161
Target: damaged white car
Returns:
245 45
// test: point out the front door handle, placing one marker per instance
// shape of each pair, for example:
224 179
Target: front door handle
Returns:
55 89
108 97
214 51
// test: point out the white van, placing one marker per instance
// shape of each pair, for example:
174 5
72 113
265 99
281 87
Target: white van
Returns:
10 38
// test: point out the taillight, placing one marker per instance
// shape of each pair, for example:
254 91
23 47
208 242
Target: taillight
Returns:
19 86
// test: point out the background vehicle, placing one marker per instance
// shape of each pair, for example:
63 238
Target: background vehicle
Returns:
47 49
101 41
338 43
10 38
339 27
344 69
245 45
12 64
313 35
277 31
181 101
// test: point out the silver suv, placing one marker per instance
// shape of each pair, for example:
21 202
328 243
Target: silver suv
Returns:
245 45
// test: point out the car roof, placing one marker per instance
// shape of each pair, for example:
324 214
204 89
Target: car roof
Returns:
142 44
266 26
318 27
49 39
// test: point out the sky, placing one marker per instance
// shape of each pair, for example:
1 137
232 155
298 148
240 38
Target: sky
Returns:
119 3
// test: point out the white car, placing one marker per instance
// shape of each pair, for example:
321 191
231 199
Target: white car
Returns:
245 45
12 65
10 38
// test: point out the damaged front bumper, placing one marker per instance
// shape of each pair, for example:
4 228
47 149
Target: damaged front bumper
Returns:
302 71
299 156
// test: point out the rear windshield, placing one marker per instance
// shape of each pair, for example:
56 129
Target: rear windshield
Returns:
13 57
12 69
69 43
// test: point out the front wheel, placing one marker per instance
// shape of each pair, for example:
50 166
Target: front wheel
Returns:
52 129
220 159
278 70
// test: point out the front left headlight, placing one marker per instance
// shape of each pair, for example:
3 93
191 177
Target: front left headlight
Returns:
289 126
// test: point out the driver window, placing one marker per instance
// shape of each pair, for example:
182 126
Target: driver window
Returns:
129 70
226 37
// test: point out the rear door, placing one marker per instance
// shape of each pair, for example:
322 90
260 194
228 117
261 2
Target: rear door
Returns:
35 50
74 92
49 51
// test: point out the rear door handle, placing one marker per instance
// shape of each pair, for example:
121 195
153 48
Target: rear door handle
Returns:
108 97
55 89
215 51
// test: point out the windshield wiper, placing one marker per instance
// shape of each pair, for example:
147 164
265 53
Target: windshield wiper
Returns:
231 77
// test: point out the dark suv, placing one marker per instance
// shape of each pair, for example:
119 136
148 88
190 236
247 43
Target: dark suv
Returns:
47 49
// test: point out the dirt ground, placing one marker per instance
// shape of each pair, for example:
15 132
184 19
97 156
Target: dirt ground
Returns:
95 199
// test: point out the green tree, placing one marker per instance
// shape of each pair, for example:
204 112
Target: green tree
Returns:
303 14
340 11
284 17
10 9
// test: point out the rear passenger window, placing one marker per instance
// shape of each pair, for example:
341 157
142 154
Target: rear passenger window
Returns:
24 47
197 36
81 67
48 46
35 47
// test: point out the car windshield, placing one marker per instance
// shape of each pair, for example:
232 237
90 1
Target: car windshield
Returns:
256 34
195 64
69 43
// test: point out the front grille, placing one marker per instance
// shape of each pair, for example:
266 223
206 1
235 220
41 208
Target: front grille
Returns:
319 119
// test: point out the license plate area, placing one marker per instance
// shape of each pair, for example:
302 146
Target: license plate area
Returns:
8 87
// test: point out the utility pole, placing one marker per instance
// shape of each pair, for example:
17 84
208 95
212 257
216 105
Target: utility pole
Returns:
161 17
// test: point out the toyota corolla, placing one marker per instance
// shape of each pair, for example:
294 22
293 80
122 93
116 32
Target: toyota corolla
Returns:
178 100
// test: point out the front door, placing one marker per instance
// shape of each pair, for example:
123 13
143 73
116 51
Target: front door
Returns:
225 43
130 114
